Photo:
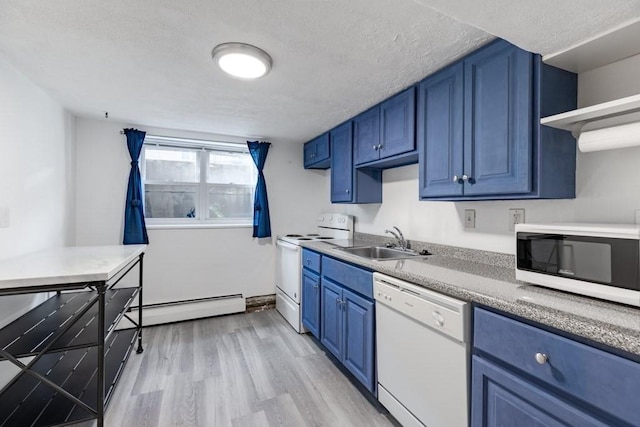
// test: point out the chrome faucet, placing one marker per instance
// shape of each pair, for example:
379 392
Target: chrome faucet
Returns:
402 242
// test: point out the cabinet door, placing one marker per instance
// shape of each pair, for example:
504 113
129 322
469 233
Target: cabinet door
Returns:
342 163
498 118
500 398
366 136
323 149
398 124
309 153
331 317
317 153
440 136
358 343
311 302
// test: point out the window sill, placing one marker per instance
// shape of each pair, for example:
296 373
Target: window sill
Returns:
194 226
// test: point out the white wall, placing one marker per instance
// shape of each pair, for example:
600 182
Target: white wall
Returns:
191 263
608 187
610 82
36 174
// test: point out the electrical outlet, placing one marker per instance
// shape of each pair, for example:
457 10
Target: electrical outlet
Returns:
4 216
469 218
516 216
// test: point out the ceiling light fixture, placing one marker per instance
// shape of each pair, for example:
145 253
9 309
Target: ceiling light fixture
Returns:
242 60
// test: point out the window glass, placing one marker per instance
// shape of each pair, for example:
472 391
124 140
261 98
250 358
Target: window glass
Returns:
170 201
197 184
171 165
228 201
231 168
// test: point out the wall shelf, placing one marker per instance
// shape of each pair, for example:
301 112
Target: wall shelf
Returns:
574 120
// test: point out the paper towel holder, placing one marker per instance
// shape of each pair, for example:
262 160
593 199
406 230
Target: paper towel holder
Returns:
616 121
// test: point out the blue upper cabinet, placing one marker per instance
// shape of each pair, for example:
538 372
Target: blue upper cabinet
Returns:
317 153
384 136
398 124
479 131
440 102
342 163
366 136
348 184
497 110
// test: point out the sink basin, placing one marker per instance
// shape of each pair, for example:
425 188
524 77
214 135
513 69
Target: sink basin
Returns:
379 252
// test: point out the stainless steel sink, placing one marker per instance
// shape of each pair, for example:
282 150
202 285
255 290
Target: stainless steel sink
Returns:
379 252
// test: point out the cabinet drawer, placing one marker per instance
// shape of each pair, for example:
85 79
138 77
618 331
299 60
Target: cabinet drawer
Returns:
600 379
311 260
354 278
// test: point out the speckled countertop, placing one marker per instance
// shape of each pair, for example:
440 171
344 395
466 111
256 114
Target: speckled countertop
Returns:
488 278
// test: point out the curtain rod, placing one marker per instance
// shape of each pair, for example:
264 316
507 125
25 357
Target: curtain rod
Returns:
189 140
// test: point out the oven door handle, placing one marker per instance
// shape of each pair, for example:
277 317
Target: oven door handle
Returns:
288 246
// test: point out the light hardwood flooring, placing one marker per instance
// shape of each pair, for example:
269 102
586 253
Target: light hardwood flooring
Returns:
238 370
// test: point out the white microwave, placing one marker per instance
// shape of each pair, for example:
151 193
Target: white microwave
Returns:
597 260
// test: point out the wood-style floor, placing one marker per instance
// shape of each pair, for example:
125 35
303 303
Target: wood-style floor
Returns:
238 370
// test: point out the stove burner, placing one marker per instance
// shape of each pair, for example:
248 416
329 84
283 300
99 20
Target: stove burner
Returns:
304 238
293 235
323 238
313 235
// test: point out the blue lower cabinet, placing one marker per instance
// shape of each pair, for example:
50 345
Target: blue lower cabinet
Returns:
332 319
500 398
311 301
347 318
358 337
527 376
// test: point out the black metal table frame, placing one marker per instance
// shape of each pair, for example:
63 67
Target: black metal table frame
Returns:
100 287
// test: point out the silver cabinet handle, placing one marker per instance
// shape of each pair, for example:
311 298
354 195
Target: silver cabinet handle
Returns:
456 178
464 177
541 358
346 191
315 286
375 147
308 261
380 146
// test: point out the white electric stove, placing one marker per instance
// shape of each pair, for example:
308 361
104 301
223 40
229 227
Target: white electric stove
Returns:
289 263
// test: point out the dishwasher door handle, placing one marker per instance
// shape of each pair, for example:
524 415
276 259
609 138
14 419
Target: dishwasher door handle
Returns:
439 318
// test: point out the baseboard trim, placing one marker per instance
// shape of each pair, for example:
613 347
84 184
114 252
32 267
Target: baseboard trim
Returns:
178 311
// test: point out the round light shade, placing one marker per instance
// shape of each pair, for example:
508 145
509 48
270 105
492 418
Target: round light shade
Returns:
242 60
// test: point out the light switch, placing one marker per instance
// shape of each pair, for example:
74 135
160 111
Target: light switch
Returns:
469 218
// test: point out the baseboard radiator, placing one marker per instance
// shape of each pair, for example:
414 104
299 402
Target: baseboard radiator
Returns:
178 311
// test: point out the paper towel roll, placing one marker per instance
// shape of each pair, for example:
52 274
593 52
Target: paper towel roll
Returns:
609 138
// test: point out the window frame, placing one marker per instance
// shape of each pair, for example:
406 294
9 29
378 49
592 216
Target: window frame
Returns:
202 149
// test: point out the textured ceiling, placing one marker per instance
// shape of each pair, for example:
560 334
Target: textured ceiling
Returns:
148 62
540 26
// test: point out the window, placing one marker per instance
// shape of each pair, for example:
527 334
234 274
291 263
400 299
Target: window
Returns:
208 183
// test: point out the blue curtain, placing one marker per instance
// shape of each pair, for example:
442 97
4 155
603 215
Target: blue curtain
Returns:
261 220
135 230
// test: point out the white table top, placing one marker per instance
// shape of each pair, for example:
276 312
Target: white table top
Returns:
67 265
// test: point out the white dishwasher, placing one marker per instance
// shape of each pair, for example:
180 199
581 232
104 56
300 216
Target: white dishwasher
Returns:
423 354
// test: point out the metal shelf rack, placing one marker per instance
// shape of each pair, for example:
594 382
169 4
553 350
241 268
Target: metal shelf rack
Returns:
75 354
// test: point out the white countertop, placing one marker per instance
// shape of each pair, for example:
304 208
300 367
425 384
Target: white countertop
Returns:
67 265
